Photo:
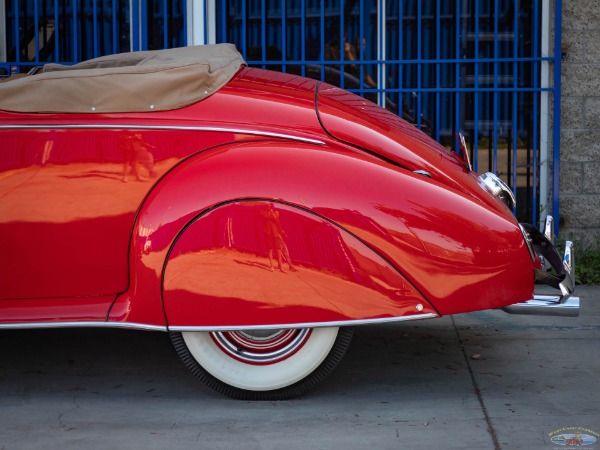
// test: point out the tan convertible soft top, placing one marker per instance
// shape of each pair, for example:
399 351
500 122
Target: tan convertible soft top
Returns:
127 82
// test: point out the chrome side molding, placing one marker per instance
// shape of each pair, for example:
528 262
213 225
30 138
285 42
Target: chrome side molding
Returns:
341 323
83 324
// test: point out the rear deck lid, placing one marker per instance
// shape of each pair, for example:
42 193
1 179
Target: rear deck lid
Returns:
361 123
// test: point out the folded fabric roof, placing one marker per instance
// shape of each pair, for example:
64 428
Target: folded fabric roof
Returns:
156 80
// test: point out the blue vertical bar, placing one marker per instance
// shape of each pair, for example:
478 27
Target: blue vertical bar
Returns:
182 40
225 38
17 37
56 33
495 94
36 24
457 74
303 35
244 28
135 24
166 24
95 27
184 14
367 41
206 37
115 29
438 56
476 94
263 31
143 26
419 64
75 39
205 20
556 130
361 50
283 35
535 83
400 56
342 46
515 73
322 44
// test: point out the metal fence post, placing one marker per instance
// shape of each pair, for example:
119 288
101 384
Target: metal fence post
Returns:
556 124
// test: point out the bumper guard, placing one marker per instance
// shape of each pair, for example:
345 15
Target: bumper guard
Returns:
563 304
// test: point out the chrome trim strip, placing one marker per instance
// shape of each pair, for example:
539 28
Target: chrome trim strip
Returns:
423 173
548 231
465 152
567 286
549 234
528 243
306 324
163 127
141 326
42 325
546 305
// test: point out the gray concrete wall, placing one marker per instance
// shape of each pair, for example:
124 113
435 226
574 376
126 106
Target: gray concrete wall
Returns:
580 121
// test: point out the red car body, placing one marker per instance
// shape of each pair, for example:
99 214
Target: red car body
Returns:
277 202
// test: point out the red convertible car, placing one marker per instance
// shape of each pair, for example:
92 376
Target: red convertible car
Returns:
254 216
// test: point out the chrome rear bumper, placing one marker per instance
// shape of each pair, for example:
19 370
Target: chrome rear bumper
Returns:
563 304
546 305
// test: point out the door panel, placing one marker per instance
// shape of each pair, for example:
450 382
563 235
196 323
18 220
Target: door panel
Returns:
68 199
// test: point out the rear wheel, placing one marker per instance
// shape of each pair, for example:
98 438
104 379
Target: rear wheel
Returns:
272 364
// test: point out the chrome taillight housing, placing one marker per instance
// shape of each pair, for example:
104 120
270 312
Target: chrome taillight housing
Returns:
498 188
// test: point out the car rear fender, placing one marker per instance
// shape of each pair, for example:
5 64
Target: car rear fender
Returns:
458 253
210 211
260 263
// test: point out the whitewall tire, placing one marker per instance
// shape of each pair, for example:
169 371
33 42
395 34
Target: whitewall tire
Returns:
263 364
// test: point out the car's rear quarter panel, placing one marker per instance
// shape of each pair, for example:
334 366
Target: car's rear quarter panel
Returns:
259 139
424 230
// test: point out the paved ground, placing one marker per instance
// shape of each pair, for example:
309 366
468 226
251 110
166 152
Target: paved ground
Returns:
479 381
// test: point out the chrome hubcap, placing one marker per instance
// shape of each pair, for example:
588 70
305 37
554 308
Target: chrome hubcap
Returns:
261 347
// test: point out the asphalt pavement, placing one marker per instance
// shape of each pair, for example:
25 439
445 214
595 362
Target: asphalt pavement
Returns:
484 380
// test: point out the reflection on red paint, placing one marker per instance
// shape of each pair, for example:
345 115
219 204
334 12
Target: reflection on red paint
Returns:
68 203
221 269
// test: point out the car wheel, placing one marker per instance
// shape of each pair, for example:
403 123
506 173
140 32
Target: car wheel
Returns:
273 364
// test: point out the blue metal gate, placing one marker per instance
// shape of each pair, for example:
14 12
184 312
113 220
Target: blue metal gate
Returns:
476 66
39 31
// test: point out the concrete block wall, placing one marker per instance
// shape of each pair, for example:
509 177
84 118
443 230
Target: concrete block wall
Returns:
580 122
